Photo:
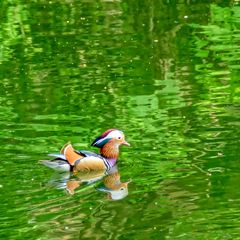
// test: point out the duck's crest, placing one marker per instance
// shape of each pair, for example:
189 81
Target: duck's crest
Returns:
101 140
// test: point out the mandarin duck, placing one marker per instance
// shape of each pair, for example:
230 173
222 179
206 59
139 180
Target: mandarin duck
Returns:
70 159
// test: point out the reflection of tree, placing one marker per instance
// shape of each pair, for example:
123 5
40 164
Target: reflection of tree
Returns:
13 30
217 44
51 44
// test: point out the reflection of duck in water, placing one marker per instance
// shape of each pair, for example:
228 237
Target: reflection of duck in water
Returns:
111 182
84 178
114 187
71 160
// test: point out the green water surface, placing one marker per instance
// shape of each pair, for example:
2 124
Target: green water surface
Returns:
167 73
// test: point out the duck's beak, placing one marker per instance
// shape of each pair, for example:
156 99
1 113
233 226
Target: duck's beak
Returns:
126 143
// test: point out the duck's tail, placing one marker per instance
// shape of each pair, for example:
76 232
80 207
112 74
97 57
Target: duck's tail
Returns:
59 165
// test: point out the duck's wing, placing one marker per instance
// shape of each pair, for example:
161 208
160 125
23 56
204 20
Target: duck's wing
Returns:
77 160
70 154
90 161
88 153
64 160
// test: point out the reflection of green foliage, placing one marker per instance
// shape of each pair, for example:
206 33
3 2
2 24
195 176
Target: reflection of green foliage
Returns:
15 29
218 45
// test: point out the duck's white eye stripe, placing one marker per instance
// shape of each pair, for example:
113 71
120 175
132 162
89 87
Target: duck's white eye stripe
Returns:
115 134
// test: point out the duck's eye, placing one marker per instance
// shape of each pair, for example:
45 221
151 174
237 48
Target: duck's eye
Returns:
121 188
119 137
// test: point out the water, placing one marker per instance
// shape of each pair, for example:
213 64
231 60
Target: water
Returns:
165 73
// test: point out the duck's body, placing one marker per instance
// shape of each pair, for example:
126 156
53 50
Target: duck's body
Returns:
70 159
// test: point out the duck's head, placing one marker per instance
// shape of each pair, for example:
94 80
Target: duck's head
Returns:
114 136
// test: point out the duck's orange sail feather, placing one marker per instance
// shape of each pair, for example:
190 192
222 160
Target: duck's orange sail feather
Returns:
71 155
